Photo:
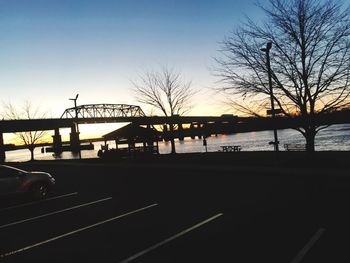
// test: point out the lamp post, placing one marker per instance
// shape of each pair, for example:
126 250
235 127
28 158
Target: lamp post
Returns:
205 143
267 52
76 117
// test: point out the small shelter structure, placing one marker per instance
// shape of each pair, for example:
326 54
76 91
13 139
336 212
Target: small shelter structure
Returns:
131 135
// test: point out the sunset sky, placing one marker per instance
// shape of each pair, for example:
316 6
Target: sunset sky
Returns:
51 50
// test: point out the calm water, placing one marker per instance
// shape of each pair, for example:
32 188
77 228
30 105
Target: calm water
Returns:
334 138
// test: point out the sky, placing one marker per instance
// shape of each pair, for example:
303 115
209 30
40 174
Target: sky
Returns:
50 50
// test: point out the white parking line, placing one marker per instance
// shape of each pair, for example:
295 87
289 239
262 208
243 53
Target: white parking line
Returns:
75 231
137 255
299 257
37 202
53 213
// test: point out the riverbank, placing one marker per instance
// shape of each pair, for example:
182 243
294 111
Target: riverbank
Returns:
317 160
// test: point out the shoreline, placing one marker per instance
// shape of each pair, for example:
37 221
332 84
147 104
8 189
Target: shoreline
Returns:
283 159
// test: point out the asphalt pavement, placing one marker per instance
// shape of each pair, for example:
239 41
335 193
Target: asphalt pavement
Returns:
154 213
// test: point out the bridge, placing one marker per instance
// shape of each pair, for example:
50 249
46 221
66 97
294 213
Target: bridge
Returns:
103 111
122 113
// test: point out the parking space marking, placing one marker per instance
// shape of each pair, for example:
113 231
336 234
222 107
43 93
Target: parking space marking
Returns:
186 231
299 257
54 213
37 202
75 231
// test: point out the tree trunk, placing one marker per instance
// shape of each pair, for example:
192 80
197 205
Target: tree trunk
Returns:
172 140
310 134
172 146
31 154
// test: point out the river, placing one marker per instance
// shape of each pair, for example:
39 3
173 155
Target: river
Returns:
334 138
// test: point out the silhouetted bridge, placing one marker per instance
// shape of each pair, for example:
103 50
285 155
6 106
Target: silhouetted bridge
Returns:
114 113
103 111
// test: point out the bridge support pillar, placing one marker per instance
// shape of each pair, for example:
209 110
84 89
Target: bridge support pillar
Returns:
180 132
199 131
165 133
150 141
192 131
57 142
74 140
2 148
206 130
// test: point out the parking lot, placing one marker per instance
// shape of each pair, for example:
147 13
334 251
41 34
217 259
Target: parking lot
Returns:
107 213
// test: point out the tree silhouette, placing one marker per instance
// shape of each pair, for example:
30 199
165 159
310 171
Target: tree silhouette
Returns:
165 91
31 138
310 61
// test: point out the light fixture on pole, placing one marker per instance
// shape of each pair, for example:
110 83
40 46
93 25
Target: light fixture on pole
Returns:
75 105
273 112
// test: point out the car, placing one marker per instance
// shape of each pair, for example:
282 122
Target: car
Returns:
15 181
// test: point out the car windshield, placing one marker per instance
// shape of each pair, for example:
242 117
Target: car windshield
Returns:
13 168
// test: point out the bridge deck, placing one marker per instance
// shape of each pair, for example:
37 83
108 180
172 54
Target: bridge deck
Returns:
242 123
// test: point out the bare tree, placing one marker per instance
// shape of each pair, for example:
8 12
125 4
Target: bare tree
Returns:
165 91
31 138
310 61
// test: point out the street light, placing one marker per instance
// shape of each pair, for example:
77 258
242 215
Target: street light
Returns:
267 52
75 105
76 116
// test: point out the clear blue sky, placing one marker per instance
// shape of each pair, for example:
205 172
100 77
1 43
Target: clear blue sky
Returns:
52 49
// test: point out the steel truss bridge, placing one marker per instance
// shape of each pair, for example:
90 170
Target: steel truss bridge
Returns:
103 111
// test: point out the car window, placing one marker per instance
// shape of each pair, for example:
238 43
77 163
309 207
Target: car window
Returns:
6 172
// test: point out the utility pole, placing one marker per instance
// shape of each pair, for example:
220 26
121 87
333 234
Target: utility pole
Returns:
267 52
